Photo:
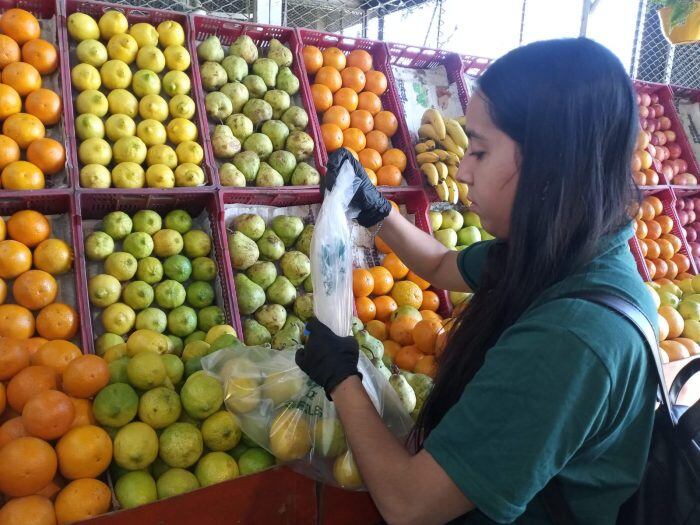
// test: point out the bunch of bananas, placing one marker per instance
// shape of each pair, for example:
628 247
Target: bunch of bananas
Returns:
442 144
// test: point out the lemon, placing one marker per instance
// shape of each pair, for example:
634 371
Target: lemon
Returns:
95 176
180 130
118 126
85 76
135 445
122 47
152 319
189 175
150 57
221 431
115 74
103 290
216 467
242 394
151 132
121 265
195 349
290 435
107 341
128 175
176 481
145 82
135 488
162 154
160 176
115 352
346 473
92 52
181 445
176 83
92 101
176 58
181 106
129 149
144 34
89 126
112 23
123 102
118 318
153 107
174 367
83 27
201 396
170 33
217 331
189 151
95 151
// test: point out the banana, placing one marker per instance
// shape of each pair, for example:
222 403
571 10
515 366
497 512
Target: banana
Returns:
463 190
456 133
442 191
422 147
433 117
427 156
462 121
453 159
431 173
451 145
442 154
427 131
441 169
452 171
452 190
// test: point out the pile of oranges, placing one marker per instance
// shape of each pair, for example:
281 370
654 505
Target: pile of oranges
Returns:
346 92
26 155
660 247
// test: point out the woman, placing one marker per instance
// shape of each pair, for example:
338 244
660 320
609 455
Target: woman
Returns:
533 385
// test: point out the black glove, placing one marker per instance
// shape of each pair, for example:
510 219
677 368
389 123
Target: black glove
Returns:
327 358
372 205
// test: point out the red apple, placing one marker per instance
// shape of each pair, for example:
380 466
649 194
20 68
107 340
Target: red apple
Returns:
658 110
667 171
664 123
691 217
652 150
652 112
660 137
683 217
690 234
682 165
646 99
639 99
654 98
643 112
656 164
674 150
670 135
680 204
653 125
696 203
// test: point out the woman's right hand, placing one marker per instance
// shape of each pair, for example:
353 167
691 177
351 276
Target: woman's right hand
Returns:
373 207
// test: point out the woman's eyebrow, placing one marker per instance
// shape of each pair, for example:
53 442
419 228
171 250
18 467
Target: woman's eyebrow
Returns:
474 135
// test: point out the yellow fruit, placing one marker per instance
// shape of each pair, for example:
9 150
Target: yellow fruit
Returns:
82 27
407 293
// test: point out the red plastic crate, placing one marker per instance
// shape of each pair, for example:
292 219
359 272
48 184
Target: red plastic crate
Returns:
228 31
55 203
343 507
688 191
694 96
639 259
134 15
91 205
390 99
45 10
472 68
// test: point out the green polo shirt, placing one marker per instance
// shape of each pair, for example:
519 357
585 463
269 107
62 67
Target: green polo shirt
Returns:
566 392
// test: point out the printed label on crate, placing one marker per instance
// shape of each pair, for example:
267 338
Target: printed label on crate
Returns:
689 113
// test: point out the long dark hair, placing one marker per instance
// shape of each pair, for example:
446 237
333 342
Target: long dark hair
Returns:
571 108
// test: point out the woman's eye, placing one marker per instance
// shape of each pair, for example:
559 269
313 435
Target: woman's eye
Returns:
478 154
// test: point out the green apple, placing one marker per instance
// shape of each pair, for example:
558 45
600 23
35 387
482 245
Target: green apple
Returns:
668 299
689 310
673 289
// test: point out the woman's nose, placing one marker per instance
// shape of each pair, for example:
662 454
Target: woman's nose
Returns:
464 172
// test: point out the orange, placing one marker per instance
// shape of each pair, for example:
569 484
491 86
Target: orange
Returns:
34 510
675 350
3 291
385 306
362 120
354 139
15 259
11 430
647 210
51 490
10 101
440 343
422 283
376 82
57 321
360 59
22 175
337 115
33 344
407 293
370 102
389 176
13 358
672 271
640 229
313 59
334 57
84 452
692 346
651 269
28 227
85 376
383 280
48 415
665 248
666 223
386 122
9 151
377 329
378 140
643 248
3 398
23 77
27 465
53 256
682 262
407 357
366 310
332 136
34 289
45 105
322 96
370 158
362 282
353 153
20 25
661 268
9 51
40 54
428 315
82 499
16 321
653 249
653 229
395 157
3 227
391 348
346 98
663 327
430 302
28 383
330 78
353 78
83 412
23 128
674 320
401 329
674 240
57 354
48 155
381 245
397 268
426 365
655 203
425 335
371 175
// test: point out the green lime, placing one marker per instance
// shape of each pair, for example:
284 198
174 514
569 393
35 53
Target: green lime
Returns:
200 294
192 366
117 225
201 395
221 431
152 319
255 460
195 349
203 269
197 243
138 295
178 268
104 290
98 246
225 341
178 220
159 407
182 321
107 341
135 446
237 451
215 467
174 367
176 345
135 488
147 221
170 294
210 316
198 335
115 405
117 370
146 370
167 242
181 445
149 270
121 265
138 244
176 481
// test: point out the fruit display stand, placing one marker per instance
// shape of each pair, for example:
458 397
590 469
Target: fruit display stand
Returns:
389 99
69 59
472 68
205 210
228 31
